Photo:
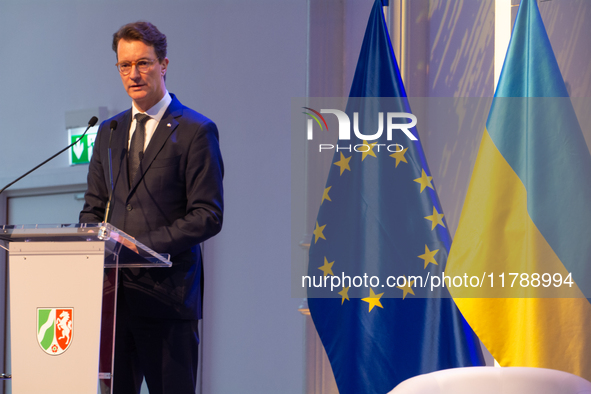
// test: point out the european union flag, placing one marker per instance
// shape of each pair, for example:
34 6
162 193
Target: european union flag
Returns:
381 231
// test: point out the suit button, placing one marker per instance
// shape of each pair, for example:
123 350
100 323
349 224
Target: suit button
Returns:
129 207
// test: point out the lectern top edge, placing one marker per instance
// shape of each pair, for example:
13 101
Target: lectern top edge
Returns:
117 254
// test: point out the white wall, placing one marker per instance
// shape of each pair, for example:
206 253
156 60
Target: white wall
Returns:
237 62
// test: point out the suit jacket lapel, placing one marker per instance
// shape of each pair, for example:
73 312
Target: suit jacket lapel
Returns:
119 143
165 128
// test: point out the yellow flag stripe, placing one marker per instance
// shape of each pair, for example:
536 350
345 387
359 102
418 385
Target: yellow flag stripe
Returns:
533 332
496 235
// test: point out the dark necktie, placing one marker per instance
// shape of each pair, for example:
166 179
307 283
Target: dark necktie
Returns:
136 149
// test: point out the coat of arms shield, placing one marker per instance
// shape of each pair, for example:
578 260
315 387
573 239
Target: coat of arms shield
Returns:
55 329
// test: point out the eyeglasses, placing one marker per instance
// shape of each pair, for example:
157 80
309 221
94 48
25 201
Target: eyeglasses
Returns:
142 65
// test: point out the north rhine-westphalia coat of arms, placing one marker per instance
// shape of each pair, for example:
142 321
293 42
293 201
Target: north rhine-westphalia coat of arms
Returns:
55 328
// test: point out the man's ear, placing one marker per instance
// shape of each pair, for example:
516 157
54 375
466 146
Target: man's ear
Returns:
164 64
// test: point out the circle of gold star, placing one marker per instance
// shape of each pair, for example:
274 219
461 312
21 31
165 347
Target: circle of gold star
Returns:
399 156
343 163
424 181
325 195
327 267
344 294
373 299
369 151
318 232
429 256
407 289
435 219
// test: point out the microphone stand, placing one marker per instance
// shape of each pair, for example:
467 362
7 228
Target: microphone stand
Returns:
112 126
91 123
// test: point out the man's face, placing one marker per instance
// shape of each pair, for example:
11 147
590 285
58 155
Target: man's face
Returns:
147 89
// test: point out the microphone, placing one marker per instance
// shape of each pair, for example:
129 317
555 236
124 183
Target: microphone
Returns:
112 126
91 123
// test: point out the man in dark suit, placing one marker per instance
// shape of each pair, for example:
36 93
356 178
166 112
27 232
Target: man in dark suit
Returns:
167 175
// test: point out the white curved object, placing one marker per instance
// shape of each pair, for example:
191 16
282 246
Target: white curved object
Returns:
490 380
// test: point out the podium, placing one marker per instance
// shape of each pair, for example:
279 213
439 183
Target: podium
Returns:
63 303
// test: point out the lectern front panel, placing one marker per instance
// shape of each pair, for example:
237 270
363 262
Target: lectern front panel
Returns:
55 301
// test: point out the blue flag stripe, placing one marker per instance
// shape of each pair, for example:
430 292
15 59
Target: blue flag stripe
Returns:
558 159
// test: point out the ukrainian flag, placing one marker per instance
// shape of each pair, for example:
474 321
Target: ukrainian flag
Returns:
527 212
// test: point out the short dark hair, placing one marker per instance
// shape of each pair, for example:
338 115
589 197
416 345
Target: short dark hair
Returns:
144 32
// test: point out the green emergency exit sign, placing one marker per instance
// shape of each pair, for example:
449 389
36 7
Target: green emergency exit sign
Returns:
81 152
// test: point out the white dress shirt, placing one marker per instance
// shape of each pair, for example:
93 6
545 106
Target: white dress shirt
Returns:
155 113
